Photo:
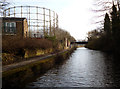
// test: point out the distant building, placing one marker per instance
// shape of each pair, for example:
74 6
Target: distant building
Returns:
15 26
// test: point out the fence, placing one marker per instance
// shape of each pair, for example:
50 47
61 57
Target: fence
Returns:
41 21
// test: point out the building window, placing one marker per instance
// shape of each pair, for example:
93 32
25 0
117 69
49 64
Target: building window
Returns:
10 28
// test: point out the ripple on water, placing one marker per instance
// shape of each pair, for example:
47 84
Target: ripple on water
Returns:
85 68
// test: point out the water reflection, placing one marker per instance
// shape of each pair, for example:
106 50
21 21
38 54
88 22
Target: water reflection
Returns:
85 68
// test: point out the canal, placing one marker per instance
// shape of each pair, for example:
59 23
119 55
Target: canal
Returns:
84 68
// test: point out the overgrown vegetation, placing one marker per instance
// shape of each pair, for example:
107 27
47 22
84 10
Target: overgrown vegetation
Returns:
108 38
15 49
13 44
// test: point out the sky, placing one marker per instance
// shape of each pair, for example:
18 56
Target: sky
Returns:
75 16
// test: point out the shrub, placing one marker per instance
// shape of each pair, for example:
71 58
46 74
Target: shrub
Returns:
12 44
33 43
16 45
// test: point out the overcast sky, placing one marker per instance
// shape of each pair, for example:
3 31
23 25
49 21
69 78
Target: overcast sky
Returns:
75 16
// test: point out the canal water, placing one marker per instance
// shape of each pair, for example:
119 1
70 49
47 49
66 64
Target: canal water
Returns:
85 68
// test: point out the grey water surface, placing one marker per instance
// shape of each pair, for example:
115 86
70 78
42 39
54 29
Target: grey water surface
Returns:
85 68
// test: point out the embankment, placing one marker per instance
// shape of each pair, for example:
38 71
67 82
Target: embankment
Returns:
19 76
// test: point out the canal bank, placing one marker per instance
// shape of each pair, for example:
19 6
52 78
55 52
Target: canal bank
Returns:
18 75
84 68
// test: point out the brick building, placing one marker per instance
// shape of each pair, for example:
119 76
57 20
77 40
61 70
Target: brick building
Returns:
14 26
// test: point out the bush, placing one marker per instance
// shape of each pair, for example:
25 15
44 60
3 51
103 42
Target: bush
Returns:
33 43
16 45
102 43
11 44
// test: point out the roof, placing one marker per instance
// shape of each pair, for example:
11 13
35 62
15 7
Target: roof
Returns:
13 18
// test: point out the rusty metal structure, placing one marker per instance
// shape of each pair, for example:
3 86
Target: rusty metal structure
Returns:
41 21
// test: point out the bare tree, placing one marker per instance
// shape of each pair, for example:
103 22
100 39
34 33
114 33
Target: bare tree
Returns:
62 34
101 7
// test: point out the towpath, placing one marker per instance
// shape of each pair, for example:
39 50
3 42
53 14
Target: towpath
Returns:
22 63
